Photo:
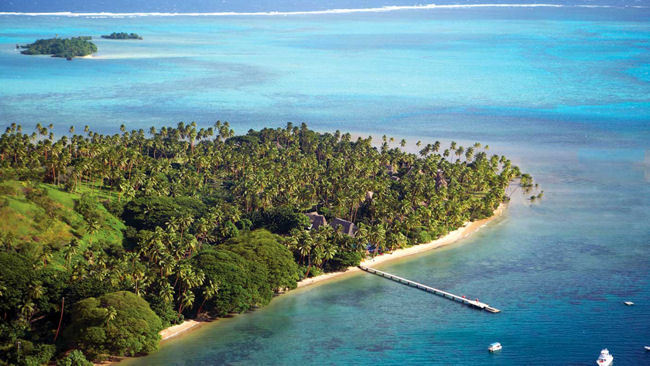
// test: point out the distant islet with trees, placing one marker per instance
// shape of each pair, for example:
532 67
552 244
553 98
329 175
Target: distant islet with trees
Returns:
70 48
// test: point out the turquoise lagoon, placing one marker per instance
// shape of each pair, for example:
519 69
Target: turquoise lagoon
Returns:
564 91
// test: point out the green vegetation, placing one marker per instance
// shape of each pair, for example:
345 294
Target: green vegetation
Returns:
74 358
122 35
117 323
61 47
105 239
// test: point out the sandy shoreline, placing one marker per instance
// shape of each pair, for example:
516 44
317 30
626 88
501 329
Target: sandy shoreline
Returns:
463 232
466 230
177 329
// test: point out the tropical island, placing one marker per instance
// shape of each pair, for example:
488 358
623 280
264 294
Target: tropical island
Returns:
122 35
107 239
68 48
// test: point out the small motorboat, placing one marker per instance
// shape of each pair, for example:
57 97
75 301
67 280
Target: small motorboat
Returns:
496 346
647 348
628 303
605 358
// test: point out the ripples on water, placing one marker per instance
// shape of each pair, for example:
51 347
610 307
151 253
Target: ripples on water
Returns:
564 92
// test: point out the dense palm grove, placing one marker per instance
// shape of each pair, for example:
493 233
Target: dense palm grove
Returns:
212 224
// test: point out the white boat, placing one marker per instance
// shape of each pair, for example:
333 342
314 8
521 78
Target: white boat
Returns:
647 348
628 303
496 346
605 358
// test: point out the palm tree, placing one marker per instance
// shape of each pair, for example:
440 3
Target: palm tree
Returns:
209 293
111 313
46 255
460 151
329 252
166 292
305 245
68 253
27 311
293 167
186 302
469 153
93 227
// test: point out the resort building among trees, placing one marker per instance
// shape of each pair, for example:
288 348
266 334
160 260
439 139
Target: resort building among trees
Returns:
348 227
316 220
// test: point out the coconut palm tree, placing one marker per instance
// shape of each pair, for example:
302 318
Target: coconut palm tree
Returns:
209 292
111 313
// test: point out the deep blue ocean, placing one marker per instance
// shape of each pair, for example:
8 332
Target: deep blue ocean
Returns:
564 91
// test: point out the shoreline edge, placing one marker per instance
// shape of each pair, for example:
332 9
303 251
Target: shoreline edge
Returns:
462 232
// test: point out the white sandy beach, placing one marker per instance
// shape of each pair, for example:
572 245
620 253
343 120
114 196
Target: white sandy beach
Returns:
463 232
177 329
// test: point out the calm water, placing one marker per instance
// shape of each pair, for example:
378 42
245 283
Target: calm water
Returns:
564 91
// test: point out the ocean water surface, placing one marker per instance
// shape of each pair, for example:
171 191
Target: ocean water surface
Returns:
563 91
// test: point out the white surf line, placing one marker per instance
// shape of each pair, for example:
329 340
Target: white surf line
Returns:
315 12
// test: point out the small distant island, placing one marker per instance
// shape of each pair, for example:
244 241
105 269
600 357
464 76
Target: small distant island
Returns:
61 47
122 35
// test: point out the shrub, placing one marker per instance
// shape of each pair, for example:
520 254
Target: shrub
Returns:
8 190
114 207
117 323
39 196
86 206
164 309
342 260
74 358
239 280
147 213
279 220
30 354
264 248
16 277
424 237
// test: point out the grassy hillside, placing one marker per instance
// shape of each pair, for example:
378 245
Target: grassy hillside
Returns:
38 219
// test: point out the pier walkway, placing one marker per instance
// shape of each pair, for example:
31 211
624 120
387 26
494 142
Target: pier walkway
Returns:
473 303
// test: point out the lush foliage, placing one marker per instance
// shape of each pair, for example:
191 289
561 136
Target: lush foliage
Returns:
61 47
74 358
122 35
266 251
238 282
200 222
117 323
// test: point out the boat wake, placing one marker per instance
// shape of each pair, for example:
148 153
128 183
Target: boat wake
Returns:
313 12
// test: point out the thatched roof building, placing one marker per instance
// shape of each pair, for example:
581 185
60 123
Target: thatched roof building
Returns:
316 220
346 226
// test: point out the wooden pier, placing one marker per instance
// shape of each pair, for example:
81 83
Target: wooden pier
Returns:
419 286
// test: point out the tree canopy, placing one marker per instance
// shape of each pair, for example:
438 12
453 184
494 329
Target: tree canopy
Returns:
122 35
61 47
114 236
239 287
116 323
266 251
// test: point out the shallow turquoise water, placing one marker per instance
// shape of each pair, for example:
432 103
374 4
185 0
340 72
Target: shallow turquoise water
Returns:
565 92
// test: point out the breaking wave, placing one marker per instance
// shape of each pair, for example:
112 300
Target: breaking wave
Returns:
311 12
